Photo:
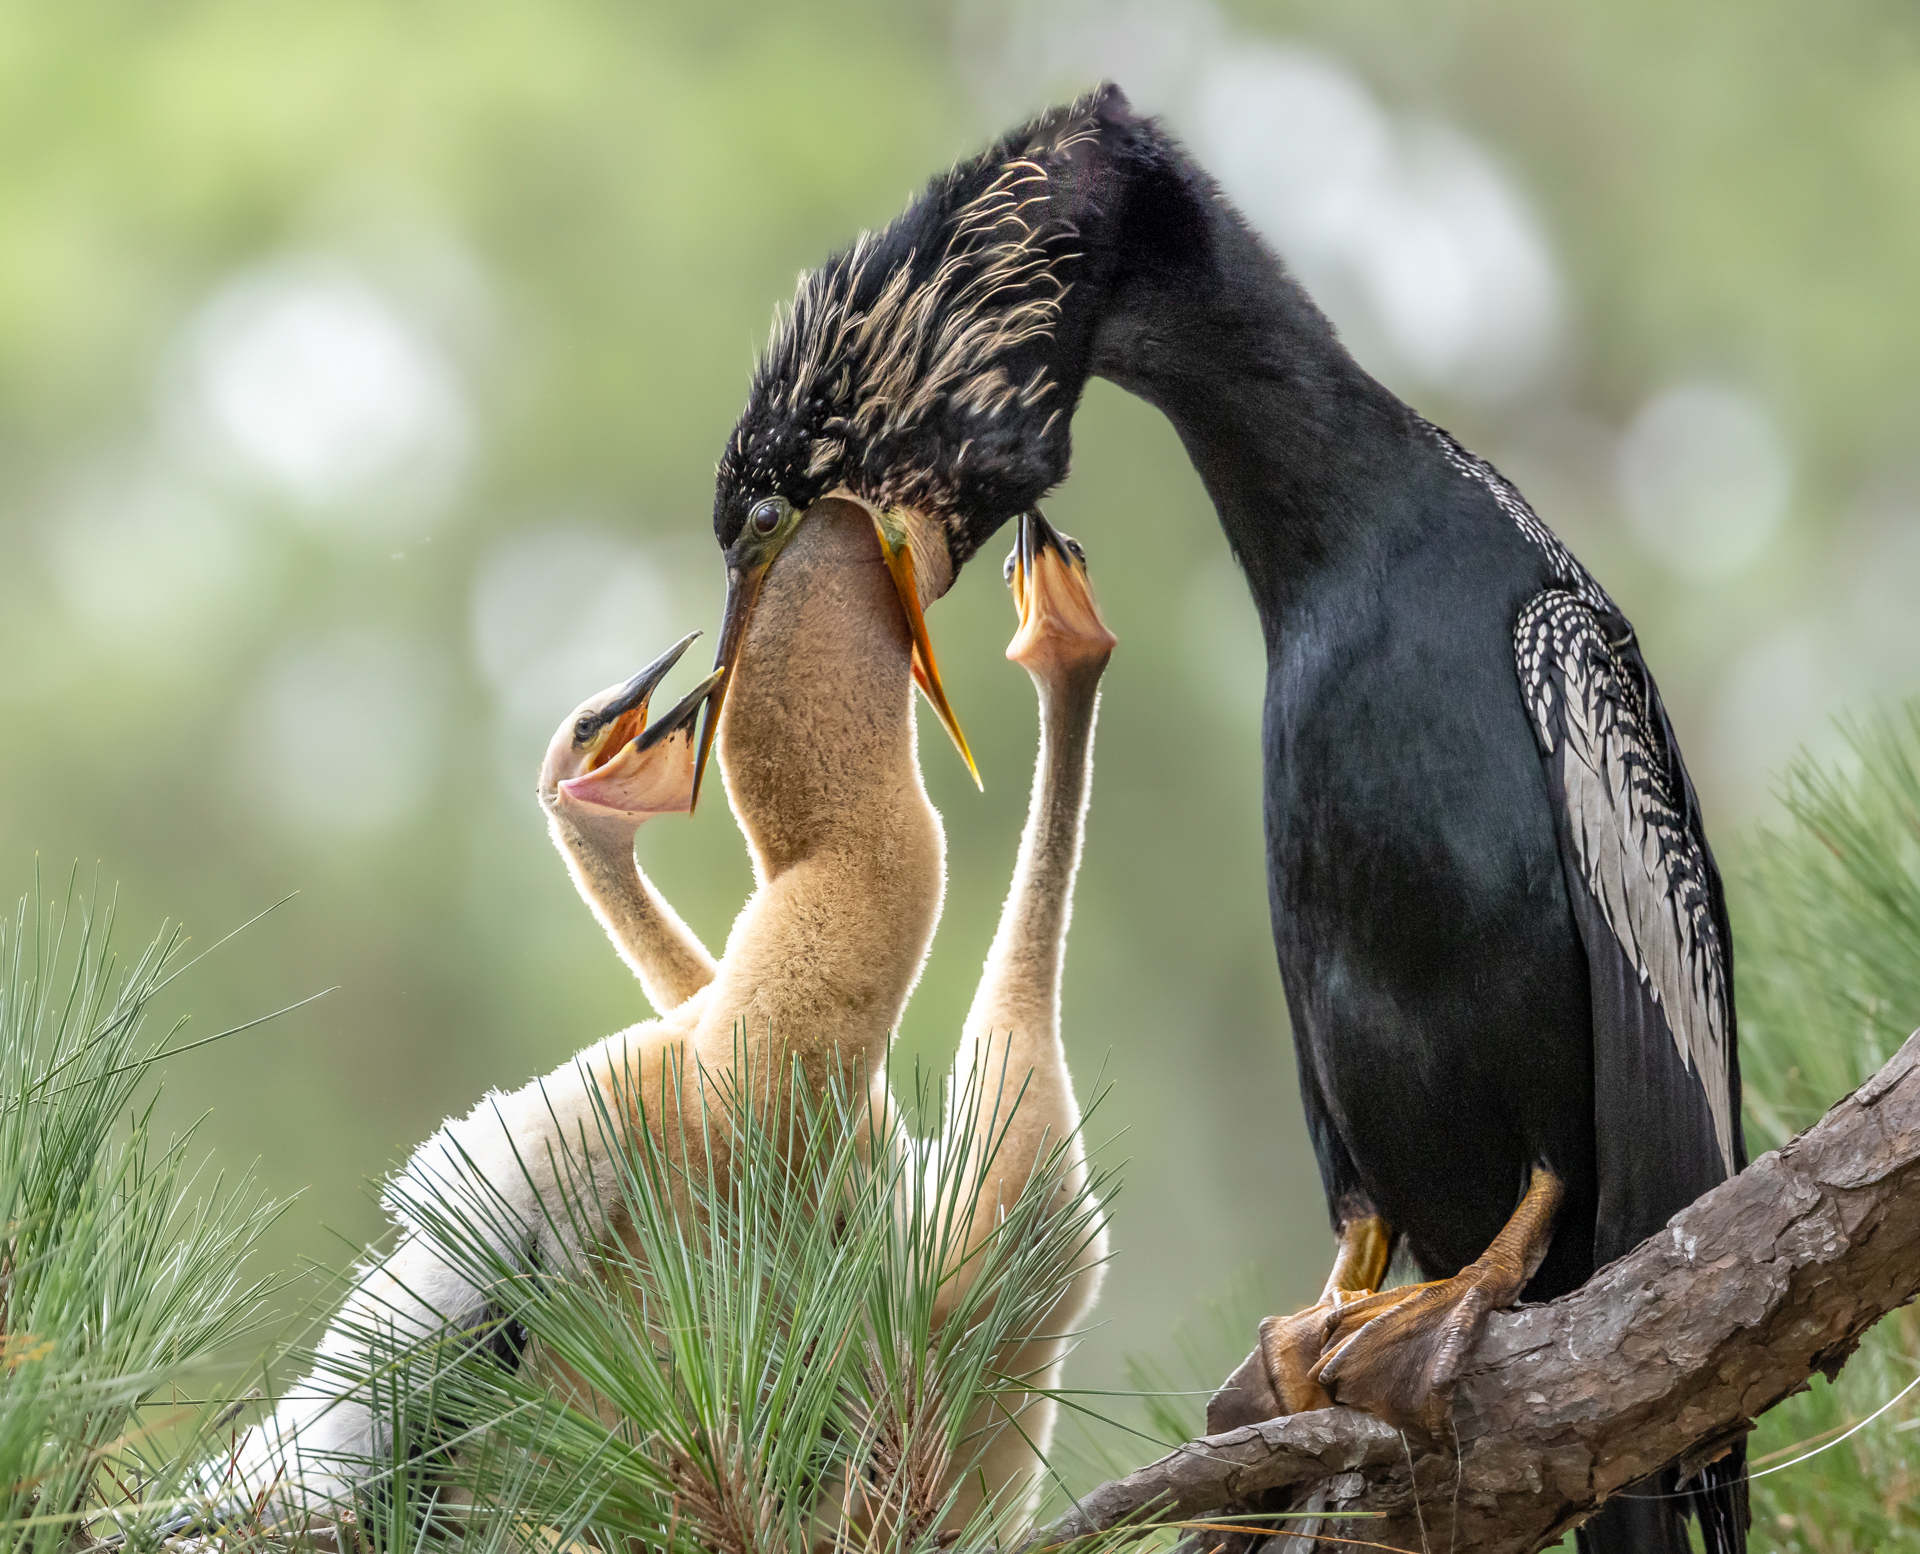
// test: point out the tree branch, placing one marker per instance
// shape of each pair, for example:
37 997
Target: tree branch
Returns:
1666 1355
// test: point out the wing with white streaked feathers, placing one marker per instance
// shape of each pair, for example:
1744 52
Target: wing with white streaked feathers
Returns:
1648 901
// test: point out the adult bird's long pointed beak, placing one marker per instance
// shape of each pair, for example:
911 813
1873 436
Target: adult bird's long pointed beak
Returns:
898 550
680 718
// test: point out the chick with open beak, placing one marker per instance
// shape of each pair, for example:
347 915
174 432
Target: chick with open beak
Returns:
1060 625
768 527
606 758
606 773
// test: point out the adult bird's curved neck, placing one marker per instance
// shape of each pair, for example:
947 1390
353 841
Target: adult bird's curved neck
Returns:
1305 456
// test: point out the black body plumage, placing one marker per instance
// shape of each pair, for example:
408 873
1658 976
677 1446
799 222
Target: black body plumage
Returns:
1499 925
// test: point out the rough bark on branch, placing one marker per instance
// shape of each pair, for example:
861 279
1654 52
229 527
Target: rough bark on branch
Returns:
1664 1355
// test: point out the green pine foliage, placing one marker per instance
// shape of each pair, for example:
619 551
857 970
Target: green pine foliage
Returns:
806 1349
810 1346
1828 941
122 1275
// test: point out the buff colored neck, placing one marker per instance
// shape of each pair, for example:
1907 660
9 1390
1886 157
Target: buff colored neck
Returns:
1020 990
662 951
817 750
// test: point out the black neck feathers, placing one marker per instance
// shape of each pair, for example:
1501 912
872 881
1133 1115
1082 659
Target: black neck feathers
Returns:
1307 458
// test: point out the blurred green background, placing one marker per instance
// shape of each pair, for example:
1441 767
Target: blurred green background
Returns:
362 368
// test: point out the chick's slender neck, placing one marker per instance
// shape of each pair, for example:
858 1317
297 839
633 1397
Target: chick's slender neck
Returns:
817 743
649 935
817 749
1021 989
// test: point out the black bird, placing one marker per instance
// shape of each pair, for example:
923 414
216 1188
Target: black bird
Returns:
1499 925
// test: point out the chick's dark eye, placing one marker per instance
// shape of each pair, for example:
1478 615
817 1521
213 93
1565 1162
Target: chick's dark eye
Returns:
766 515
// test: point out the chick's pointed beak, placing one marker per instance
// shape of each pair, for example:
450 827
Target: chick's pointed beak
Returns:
600 735
897 547
651 774
1051 590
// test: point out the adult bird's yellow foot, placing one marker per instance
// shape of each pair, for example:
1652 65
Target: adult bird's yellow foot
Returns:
1290 1350
1277 1377
1398 1353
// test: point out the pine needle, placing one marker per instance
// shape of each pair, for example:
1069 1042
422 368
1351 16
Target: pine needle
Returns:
1827 928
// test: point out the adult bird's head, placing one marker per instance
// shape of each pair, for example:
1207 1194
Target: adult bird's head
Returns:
929 373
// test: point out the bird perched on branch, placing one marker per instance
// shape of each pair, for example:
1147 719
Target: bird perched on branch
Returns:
817 748
1499 925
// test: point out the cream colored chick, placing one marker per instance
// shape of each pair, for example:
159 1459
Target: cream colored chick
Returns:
606 773
1010 1044
817 748
1011 1040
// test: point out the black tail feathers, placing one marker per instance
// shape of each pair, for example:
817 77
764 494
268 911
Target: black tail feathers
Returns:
1651 1517
1721 1503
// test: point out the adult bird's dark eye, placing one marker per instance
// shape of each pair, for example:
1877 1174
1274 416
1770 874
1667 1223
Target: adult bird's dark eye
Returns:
766 517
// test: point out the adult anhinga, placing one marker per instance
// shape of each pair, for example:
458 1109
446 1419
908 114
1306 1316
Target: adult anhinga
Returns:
1500 928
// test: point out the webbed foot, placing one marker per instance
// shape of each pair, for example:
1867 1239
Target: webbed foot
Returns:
1291 1348
1398 1353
